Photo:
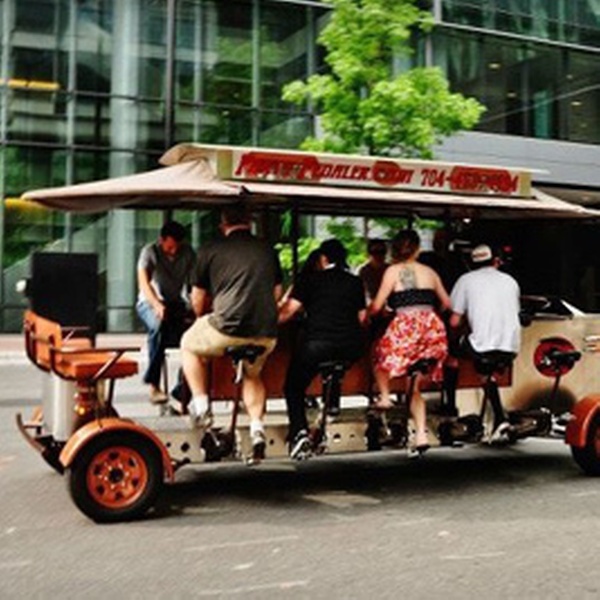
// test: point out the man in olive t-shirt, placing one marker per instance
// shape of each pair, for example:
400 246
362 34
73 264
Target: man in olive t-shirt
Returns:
242 276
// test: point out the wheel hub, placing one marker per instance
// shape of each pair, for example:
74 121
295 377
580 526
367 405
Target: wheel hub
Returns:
117 477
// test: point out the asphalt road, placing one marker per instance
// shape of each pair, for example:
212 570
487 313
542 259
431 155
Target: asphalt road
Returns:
459 524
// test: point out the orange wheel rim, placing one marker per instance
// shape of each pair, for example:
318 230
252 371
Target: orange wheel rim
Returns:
117 477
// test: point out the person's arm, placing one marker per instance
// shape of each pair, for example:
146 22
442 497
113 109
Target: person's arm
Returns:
285 296
278 289
459 304
455 320
297 300
149 293
361 308
288 309
198 300
201 282
385 289
442 294
189 275
362 316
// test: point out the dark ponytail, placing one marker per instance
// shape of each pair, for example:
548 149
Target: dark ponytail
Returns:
405 244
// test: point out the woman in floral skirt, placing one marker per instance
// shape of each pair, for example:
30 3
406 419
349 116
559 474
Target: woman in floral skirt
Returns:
411 290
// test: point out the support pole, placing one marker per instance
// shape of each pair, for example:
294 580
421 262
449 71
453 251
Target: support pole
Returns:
295 235
170 83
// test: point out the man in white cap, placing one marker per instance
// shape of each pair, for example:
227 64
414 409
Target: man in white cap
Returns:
488 299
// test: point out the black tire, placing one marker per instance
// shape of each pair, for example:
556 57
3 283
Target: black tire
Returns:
588 457
116 477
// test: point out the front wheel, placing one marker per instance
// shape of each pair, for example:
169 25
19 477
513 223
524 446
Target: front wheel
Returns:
116 477
588 457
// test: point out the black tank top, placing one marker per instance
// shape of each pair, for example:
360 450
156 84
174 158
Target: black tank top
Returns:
412 297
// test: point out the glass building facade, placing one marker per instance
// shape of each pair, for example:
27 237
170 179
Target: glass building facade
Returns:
98 88
532 63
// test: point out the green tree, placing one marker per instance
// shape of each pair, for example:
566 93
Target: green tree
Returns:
364 104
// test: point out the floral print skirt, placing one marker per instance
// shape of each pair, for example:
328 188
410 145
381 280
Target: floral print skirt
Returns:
412 335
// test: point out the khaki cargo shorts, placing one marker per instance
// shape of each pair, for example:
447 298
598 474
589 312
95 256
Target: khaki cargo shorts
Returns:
204 340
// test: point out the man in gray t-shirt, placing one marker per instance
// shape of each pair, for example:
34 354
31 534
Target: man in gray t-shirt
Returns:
164 268
242 276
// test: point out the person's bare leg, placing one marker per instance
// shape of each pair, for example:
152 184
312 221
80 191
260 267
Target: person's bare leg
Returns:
196 372
419 414
449 386
195 369
255 397
383 385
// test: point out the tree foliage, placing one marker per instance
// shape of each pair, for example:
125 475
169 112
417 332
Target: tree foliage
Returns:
365 106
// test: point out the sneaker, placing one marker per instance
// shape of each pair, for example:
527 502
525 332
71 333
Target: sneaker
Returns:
259 445
199 418
501 434
158 396
301 447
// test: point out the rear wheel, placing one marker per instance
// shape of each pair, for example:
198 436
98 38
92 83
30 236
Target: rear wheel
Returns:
588 457
116 477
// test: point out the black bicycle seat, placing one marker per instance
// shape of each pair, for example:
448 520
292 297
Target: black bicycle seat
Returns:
423 365
495 361
333 367
248 352
563 358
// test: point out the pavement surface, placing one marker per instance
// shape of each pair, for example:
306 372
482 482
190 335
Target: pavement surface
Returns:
461 524
11 346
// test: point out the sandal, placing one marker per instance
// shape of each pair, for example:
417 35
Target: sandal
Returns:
380 404
420 447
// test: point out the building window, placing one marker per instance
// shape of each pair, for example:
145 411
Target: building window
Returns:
529 89
573 21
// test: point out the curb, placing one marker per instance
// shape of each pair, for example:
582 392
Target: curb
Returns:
12 346
12 357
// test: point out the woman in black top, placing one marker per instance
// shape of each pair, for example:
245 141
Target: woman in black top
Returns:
334 304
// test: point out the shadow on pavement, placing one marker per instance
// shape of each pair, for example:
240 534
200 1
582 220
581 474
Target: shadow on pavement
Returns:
360 481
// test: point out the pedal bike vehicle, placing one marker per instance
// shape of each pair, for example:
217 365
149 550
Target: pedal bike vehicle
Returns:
116 466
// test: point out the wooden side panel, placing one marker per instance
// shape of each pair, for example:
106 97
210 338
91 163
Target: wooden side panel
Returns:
357 381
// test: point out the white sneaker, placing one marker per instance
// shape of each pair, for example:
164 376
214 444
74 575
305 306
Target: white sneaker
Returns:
200 414
501 434
301 447
259 446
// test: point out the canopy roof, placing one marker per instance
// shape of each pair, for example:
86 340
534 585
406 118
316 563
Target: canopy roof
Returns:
169 187
204 176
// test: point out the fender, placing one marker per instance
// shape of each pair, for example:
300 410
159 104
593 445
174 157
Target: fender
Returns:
577 427
91 430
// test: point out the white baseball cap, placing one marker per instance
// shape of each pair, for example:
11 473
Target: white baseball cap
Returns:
481 253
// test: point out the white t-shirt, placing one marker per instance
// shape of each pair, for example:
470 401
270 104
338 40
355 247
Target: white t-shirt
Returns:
490 300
